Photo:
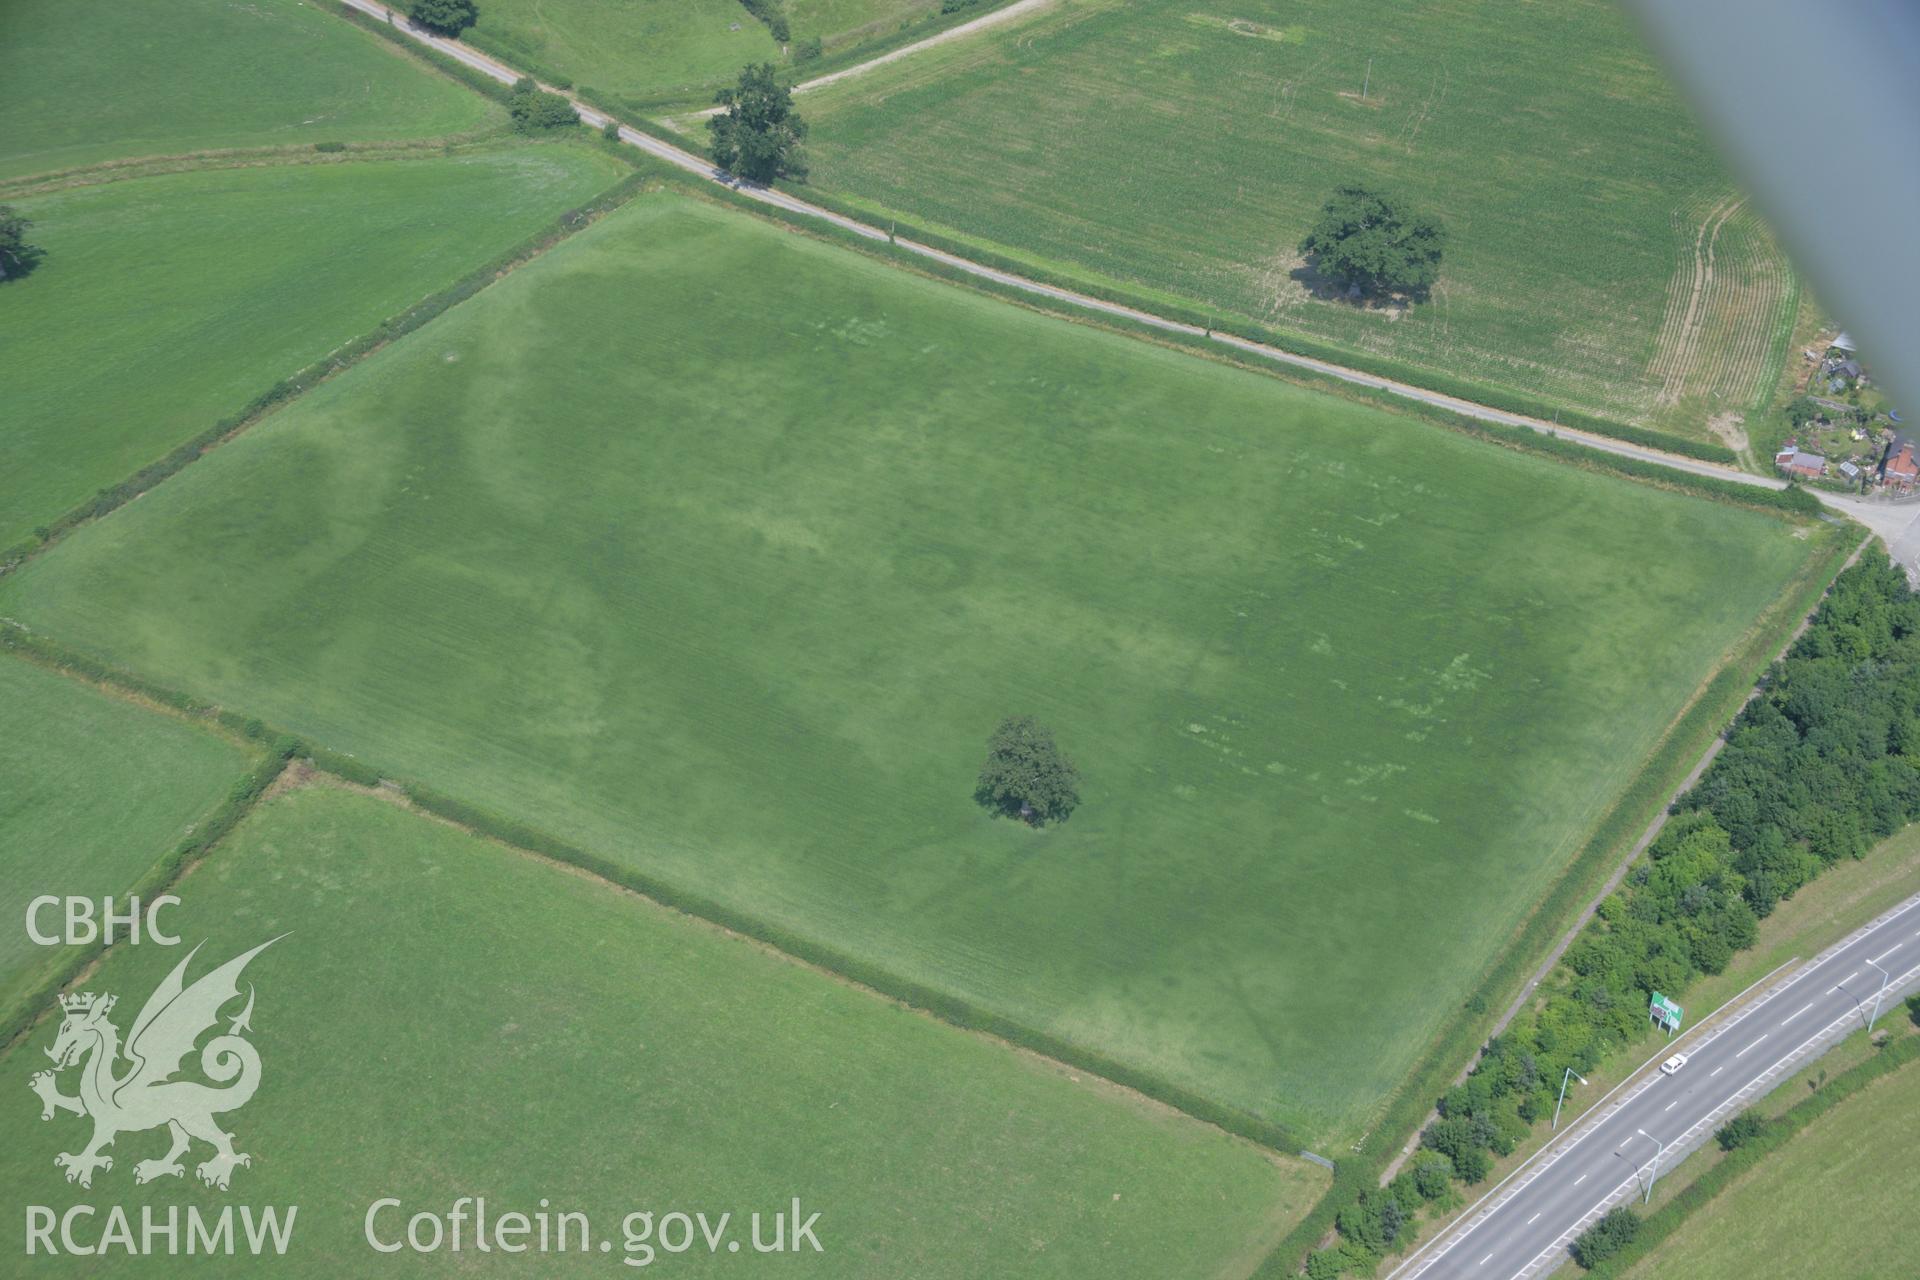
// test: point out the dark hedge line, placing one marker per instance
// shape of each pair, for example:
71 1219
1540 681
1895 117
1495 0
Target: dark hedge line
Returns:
773 15
209 831
1617 1229
475 80
1657 1226
1792 498
115 496
513 55
1298 344
948 1008
1816 768
1628 818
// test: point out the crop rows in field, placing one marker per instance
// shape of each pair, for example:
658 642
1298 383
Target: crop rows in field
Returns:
1180 153
1728 309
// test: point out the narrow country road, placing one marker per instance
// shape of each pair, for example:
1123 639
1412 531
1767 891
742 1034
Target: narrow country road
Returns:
1018 9
1897 526
1522 1227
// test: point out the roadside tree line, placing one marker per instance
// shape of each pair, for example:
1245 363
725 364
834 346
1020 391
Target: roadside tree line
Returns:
1822 764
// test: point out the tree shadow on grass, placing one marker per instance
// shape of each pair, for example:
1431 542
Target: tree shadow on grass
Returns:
1327 289
21 263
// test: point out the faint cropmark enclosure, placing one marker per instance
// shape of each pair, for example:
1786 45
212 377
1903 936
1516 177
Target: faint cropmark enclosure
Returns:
147 1095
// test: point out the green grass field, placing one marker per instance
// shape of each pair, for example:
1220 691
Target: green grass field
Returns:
1835 1203
446 1018
731 584
632 48
93 792
167 303
842 23
1182 150
654 50
78 87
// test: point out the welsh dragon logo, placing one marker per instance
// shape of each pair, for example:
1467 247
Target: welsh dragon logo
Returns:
145 1094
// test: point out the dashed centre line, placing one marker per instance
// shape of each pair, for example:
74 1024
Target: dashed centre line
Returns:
1796 1013
1754 1045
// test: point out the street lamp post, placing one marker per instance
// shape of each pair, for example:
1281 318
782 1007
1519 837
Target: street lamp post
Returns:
1563 1095
1885 978
1655 1172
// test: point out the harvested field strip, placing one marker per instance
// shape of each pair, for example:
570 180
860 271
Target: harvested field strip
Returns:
1729 306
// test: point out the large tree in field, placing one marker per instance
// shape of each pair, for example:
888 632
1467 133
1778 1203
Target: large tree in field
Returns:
446 17
17 257
1027 775
758 136
1373 242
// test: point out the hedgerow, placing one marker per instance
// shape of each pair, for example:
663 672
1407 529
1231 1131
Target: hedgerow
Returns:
118 495
1821 765
1657 1226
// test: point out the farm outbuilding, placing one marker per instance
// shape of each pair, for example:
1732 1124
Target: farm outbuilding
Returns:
1798 462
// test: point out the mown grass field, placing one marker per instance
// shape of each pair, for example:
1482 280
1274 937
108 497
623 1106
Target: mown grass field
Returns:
167 303
840 23
446 1018
93 791
731 584
632 48
81 83
648 51
1835 1203
1181 150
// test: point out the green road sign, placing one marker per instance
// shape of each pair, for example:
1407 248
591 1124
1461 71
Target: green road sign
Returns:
1665 1012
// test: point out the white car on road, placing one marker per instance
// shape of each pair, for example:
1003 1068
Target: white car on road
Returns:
1673 1064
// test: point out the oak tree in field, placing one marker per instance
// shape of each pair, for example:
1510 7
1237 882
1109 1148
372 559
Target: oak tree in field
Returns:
758 136
1375 244
1027 775
444 17
17 257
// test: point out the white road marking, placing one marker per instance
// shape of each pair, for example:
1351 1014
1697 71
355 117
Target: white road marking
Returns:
1483 1261
1535 1218
1582 1178
1671 1105
1843 982
1716 1071
1754 1045
1884 954
1796 1013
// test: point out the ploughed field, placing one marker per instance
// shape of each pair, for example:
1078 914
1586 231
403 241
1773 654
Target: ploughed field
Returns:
718 552
1180 151
444 1017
